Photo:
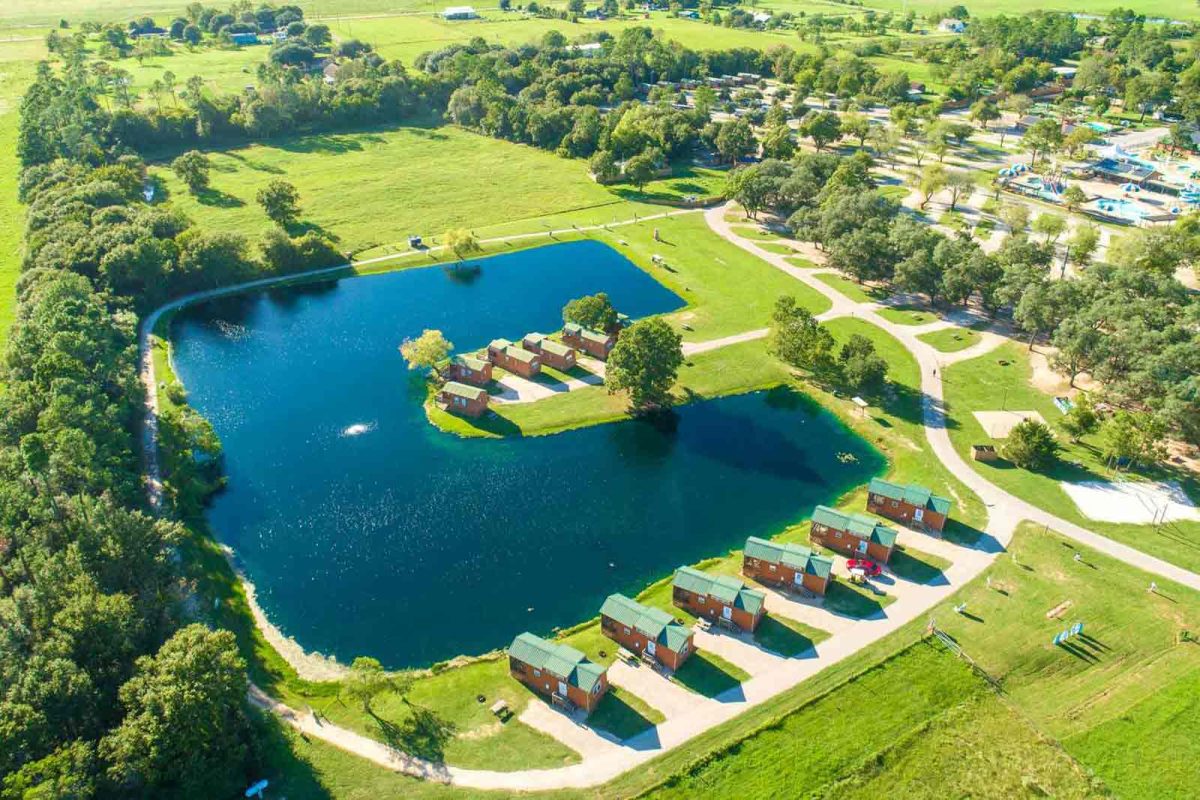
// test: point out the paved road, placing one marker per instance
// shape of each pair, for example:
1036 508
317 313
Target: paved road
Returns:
603 759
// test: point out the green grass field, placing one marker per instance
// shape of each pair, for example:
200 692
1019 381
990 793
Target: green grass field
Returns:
983 384
951 340
907 315
859 292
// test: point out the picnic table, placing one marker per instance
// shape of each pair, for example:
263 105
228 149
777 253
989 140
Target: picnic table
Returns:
500 707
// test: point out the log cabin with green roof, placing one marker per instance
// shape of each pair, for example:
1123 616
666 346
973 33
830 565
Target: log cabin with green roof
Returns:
787 566
912 505
854 535
459 398
595 343
470 370
558 672
514 358
554 354
650 632
720 598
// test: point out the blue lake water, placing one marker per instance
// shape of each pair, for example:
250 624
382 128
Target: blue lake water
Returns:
367 531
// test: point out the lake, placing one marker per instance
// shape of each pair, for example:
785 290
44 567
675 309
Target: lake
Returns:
369 532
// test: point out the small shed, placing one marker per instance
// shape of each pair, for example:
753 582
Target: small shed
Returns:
459 398
554 354
595 343
470 370
515 359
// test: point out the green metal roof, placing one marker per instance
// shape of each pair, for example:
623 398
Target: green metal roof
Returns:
585 333
519 353
795 556
557 348
498 344
560 660
535 338
859 525
573 328
654 623
728 590
462 390
470 362
914 495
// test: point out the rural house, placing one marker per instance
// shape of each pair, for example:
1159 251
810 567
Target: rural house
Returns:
554 354
594 343
909 504
557 671
852 534
459 398
517 360
718 597
469 370
650 632
790 566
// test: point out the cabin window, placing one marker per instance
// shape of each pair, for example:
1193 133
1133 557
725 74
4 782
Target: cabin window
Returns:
837 534
537 673
895 504
772 568
627 631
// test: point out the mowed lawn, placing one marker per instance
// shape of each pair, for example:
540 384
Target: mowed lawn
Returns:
985 384
1123 697
377 187
879 723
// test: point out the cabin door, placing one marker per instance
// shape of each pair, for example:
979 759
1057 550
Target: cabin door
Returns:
862 546
650 647
798 578
918 514
562 688
727 612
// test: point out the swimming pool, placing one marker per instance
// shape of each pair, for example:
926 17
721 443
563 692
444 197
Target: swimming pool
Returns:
1121 209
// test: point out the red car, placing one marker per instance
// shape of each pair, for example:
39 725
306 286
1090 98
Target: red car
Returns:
870 568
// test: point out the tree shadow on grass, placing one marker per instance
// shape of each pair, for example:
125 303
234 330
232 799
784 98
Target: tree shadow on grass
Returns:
704 677
424 733
777 637
281 759
218 199
617 717
843 601
301 227
911 568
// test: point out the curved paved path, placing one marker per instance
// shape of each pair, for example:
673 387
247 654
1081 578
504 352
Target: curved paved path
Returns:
605 760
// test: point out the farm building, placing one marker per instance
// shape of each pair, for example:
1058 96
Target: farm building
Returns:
459 398
718 597
557 671
554 354
650 632
909 504
459 12
594 343
470 370
852 534
244 38
951 25
515 359
789 566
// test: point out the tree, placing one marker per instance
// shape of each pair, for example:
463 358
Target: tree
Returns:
461 242
823 127
1015 216
1030 445
1081 419
604 167
427 350
192 35
593 311
1073 197
735 140
856 126
641 169
1043 136
797 339
192 168
645 362
1133 436
1050 226
280 200
1081 246
984 111
931 181
960 185
862 369
367 679
185 731
778 142
317 36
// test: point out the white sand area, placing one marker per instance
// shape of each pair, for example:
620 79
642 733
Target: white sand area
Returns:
1139 503
997 424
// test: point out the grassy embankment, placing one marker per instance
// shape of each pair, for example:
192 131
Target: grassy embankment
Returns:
987 384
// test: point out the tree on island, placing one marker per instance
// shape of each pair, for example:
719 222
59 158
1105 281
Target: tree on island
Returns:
1030 445
645 362
427 350
461 242
192 168
593 311
280 200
